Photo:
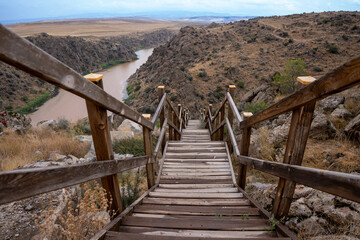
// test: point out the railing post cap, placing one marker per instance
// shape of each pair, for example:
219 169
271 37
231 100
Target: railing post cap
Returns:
147 116
247 114
94 77
161 87
179 105
305 80
210 104
232 86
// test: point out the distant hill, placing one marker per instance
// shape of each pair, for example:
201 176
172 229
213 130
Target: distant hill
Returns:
198 63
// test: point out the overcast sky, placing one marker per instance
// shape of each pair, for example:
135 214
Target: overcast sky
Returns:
35 9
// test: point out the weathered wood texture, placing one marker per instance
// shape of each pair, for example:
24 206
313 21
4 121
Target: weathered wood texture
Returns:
103 149
147 137
340 184
19 184
244 150
339 79
294 153
22 54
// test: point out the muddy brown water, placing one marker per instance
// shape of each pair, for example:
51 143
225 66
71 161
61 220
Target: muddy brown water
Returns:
71 107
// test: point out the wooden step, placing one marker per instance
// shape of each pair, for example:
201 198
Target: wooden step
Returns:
192 155
198 186
194 150
197 174
196 181
202 195
196 190
199 224
198 202
184 170
175 234
197 210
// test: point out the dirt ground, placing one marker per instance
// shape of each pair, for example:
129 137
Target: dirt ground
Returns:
96 27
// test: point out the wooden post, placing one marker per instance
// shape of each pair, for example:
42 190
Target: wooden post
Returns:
211 112
244 150
102 143
230 114
294 153
147 137
178 120
162 114
170 118
222 129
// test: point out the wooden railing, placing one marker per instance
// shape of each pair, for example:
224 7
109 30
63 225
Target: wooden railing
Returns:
19 184
302 104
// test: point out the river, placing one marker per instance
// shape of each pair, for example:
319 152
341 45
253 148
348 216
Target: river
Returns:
71 107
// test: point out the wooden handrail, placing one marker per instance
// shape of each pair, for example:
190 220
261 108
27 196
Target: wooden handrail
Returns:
161 138
19 184
233 107
232 138
24 55
340 184
223 123
175 127
219 109
341 78
209 115
171 106
159 109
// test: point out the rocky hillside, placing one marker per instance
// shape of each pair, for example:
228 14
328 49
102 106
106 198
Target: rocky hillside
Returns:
198 63
84 56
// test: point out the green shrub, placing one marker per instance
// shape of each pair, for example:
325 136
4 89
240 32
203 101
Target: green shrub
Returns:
130 187
129 98
202 74
37 102
81 127
147 90
137 88
287 80
173 98
148 109
112 63
255 107
129 146
240 84
333 49
317 69
62 124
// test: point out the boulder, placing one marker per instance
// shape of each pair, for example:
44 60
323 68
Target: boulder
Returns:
312 226
119 135
128 125
330 103
352 129
341 216
334 237
322 128
48 123
299 209
341 112
57 157
262 193
318 201
250 95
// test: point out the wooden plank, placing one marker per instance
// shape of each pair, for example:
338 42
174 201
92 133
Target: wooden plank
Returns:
159 110
147 138
162 113
197 210
171 130
164 177
195 181
293 155
192 155
209 190
184 223
103 149
188 186
245 145
193 217
116 221
231 167
197 174
173 126
182 170
24 55
254 235
161 141
218 128
194 195
339 79
19 184
233 107
198 150
198 160
209 144
198 202
135 236
199 165
340 184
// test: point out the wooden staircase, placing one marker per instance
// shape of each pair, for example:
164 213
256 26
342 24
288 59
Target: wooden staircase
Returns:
196 197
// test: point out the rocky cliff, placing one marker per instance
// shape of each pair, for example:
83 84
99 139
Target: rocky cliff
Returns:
198 63
82 55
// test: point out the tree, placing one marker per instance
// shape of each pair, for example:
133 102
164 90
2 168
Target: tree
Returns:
287 81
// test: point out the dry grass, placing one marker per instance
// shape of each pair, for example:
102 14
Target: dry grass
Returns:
82 219
18 150
334 155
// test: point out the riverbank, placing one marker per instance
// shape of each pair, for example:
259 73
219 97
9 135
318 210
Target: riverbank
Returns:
71 107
